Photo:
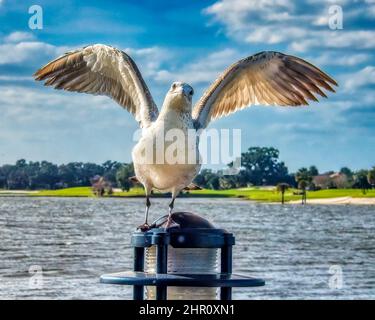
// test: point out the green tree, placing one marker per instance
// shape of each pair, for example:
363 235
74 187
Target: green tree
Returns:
214 183
371 177
18 179
347 172
263 167
205 178
227 182
313 170
68 175
5 171
110 169
122 176
46 174
360 181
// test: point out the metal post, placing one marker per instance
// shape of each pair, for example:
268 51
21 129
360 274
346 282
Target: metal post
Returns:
161 268
226 267
180 238
139 254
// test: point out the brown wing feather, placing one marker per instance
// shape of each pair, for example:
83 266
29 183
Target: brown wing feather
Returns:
102 70
268 78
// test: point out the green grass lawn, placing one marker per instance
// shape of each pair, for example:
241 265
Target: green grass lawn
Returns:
69 192
85 192
258 194
273 196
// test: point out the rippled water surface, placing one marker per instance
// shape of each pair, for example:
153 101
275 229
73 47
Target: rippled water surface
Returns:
294 248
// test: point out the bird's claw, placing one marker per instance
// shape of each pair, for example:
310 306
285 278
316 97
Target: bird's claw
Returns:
144 227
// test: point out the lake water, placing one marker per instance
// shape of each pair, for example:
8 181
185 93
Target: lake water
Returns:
303 252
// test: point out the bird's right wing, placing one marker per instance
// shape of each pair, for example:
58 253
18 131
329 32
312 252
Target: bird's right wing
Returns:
102 70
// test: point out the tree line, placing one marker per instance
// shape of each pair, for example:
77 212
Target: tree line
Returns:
259 166
46 175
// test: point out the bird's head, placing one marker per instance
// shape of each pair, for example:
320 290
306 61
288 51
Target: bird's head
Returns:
180 96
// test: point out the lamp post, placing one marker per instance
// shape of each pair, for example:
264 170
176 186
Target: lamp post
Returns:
170 263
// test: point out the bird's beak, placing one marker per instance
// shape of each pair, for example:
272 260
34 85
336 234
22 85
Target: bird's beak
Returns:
186 91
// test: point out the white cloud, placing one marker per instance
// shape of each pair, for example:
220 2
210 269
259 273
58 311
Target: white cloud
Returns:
361 78
276 22
19 36
204 70
272 35
149 60
371 11
339 59
15 78
362 39
321 20
29 105
235 13
29 52
302 40
50 124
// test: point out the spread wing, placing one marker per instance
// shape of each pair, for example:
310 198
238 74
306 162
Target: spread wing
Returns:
267 78
102 70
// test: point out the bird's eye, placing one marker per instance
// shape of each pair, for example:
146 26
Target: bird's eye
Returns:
174 86
191 92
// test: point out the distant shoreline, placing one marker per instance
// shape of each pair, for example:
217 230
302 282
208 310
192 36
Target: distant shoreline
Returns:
339 201
259 194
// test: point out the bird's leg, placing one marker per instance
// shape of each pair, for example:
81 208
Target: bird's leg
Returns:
170 222
145 226
148 205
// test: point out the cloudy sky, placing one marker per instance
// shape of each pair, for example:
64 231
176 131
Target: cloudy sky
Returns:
191 41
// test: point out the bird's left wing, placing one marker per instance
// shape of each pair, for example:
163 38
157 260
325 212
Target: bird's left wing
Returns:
102 70
267 78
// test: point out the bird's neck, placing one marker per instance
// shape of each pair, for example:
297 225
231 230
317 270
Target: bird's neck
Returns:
174 116
175 112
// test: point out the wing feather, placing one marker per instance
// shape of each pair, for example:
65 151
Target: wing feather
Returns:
267 78
102 70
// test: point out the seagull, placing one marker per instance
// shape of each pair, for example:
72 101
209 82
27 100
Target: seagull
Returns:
266 78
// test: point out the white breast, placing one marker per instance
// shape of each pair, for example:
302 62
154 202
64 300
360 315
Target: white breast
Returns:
155 163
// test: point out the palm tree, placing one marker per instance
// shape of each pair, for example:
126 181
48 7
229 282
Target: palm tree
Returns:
282 187
302 184
361 180
303 174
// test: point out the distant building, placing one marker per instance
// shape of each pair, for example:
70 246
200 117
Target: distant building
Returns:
331 180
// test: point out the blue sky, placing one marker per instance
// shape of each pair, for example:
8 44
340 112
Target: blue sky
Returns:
191 41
